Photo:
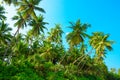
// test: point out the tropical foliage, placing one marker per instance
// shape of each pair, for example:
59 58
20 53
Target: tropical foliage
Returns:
40 53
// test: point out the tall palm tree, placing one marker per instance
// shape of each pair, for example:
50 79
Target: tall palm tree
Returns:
37 27
77 36
20 23
99 41
2 12
21 48
26 13
28 7
55 35
5 36
78 33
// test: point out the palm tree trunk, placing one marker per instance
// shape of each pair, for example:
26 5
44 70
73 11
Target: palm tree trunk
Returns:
78 59
16 31
62 59
80 56
83 65
85 56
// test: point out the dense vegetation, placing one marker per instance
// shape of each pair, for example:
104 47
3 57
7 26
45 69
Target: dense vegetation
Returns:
36 56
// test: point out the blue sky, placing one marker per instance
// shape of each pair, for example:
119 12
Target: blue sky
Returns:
103 15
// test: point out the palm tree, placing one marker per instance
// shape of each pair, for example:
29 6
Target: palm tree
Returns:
51 52
28 7
37 27
21 22
78 34
2 12
21 47
26 13
55 35
5 36
99 41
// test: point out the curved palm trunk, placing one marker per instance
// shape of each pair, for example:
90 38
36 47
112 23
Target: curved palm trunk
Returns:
78 59
85 56
83 65
62 59
16 32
